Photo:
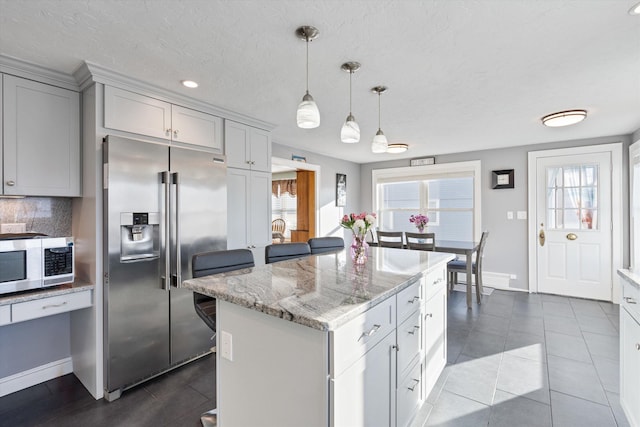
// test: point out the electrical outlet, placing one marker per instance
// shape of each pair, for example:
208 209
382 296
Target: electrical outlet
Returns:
16 227
512 277
522 214
226 345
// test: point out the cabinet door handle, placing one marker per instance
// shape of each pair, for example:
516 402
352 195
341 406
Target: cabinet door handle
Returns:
414 299
630 300
413 331
175 133
371 332
638 346
44 307
11 183
167 132
428 315
438 281
416 382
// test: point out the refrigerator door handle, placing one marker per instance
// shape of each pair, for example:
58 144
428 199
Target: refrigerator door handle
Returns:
165 279
178 276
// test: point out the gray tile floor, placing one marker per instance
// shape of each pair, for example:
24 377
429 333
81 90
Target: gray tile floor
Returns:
516 360
523 359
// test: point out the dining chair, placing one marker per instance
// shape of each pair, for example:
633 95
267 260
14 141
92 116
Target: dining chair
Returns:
421 241
204 264
321 245
390 239
460 266
278 226
285 251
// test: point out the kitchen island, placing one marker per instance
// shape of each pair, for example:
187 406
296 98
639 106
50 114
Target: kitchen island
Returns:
319 341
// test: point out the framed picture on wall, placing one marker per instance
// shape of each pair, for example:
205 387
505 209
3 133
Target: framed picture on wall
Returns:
341 189
502 179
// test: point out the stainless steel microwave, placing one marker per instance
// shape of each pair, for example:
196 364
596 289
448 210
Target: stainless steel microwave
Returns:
35 263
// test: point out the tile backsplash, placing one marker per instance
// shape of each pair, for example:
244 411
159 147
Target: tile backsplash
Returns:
48 215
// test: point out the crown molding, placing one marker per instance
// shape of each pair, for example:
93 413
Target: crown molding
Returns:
89 73
18 67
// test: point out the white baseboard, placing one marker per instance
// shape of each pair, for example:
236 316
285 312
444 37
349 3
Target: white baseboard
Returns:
494 280
34 376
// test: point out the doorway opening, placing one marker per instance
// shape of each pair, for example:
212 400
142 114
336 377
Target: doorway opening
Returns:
294 200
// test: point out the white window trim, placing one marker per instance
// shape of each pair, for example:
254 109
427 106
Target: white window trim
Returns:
471 168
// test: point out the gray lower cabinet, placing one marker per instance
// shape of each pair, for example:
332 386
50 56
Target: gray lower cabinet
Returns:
40 140
630 352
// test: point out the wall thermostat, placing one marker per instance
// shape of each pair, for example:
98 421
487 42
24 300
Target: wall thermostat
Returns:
423 161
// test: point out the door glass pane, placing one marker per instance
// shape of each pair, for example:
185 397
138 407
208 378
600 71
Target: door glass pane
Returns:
572 197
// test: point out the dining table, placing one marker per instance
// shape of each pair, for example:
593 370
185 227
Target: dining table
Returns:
461 247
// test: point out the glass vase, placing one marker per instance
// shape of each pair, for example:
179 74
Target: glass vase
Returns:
359 250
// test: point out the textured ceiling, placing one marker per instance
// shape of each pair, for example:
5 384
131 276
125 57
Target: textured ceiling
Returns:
462 75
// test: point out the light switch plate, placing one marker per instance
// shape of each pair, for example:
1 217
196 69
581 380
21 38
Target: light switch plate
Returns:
16 227
509 214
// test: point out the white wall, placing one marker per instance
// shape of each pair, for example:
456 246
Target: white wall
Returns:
330 214
506 250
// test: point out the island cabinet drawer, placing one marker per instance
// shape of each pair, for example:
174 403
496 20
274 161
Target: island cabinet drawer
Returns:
353 339
408 396
5 315
631 299
409 336
408 300
434 280
50 306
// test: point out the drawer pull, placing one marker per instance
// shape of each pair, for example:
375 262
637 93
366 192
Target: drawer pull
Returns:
414 299
413 331
638 346
428 315
438 281
44 307
630 300
371 332
414 384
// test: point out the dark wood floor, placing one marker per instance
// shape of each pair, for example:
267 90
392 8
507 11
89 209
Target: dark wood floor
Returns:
174 399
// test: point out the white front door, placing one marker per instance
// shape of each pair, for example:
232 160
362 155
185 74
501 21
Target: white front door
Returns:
574 233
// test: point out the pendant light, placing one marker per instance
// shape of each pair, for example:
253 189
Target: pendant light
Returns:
350 133
379 143
308 116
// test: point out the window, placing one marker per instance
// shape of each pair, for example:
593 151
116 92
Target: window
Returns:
445 193
572 193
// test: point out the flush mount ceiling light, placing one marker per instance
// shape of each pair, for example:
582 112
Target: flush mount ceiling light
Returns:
635 9
564 118
308 116
379 143
350 132
397 148
189 83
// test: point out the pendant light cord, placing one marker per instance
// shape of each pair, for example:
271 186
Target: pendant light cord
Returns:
350 74
307 37
379 127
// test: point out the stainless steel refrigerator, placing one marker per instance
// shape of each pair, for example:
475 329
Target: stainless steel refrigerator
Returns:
161 205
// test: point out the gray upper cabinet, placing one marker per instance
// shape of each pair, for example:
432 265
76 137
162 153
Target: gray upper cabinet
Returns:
41 139
247 147
142 115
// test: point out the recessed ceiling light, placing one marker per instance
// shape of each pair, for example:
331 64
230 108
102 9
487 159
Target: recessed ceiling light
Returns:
635 9
564 118
397 148
190 84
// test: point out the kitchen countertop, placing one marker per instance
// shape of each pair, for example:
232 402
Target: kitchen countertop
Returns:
51 291
321 291
630 276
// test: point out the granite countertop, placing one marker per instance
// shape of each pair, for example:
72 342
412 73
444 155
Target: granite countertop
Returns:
52 291
321 291
632 277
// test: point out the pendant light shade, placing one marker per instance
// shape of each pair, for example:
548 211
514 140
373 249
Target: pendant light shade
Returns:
350 133
308 115
379 143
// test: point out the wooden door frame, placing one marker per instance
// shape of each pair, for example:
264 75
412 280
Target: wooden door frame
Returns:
308 167
617 215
